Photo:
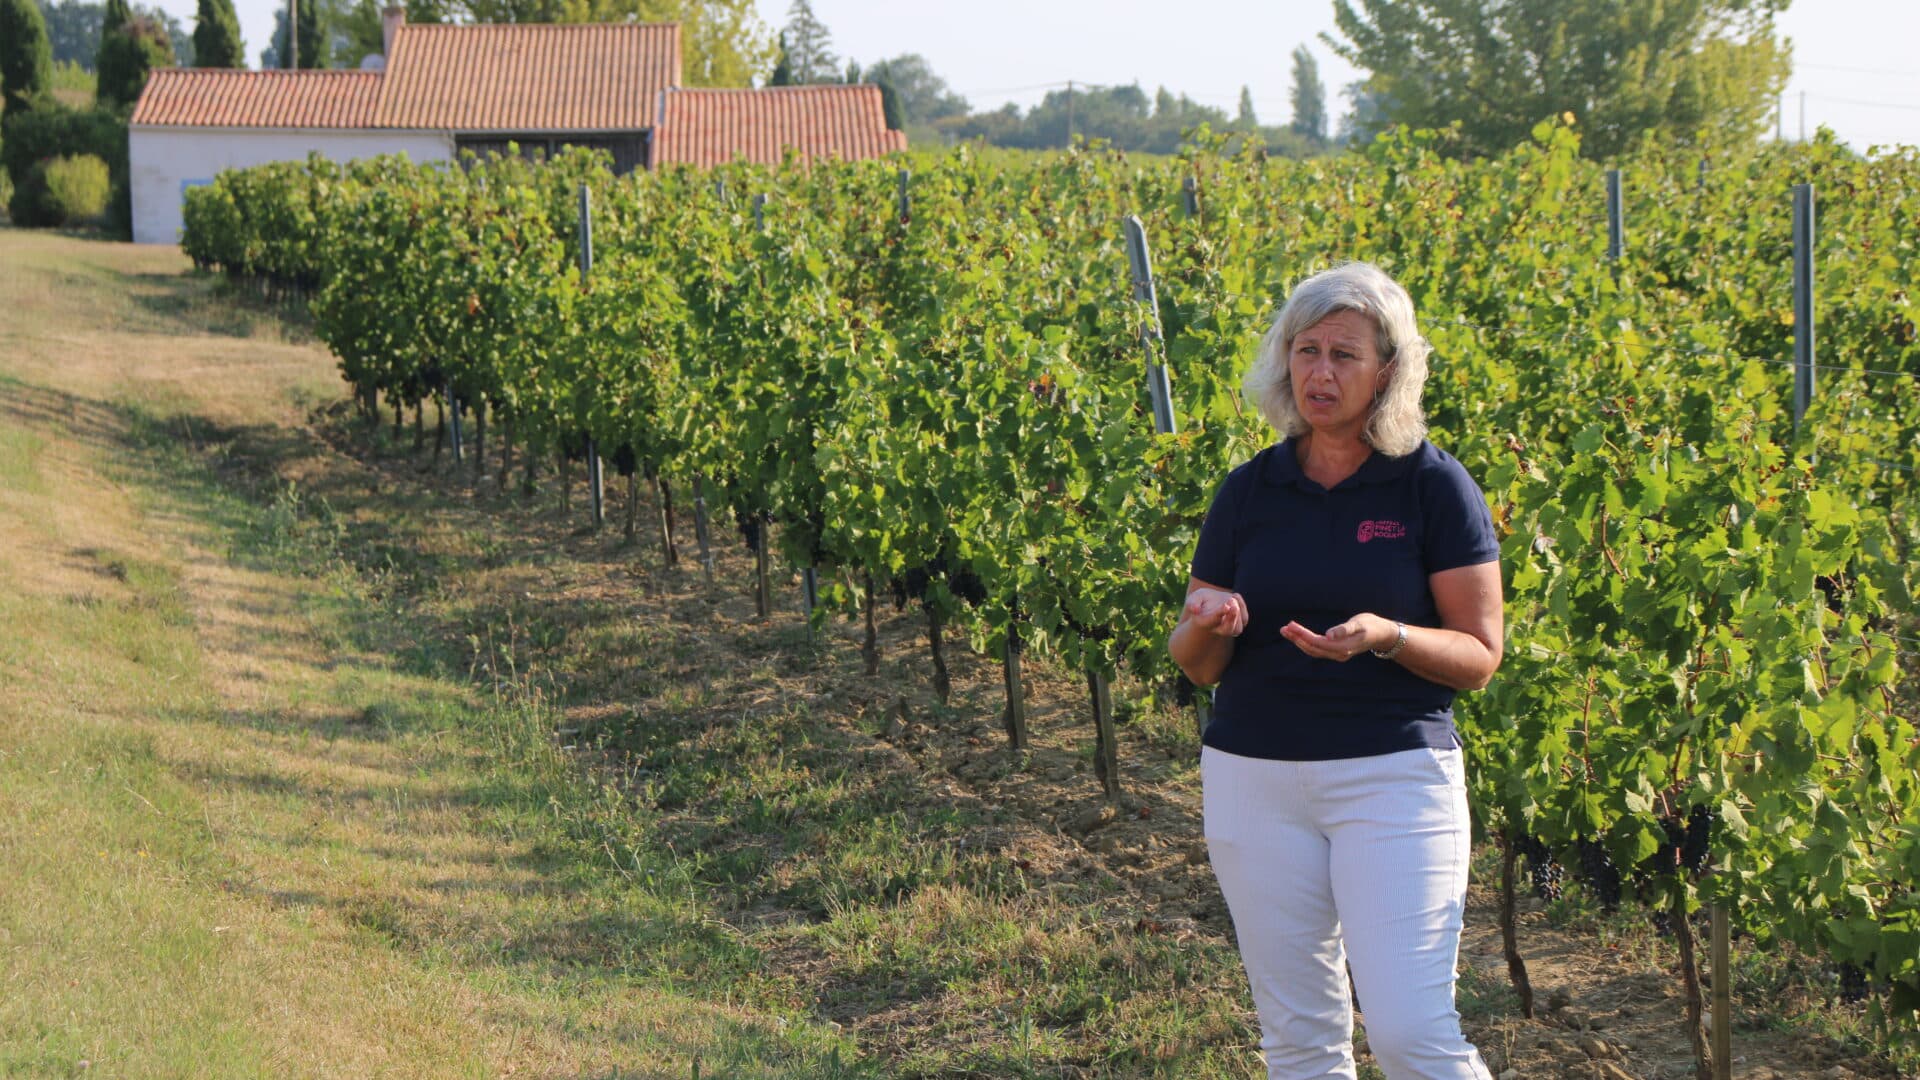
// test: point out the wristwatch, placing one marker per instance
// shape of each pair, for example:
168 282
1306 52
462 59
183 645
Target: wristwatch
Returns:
1398 644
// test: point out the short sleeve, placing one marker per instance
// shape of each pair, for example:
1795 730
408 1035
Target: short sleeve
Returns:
1458 527
1214 560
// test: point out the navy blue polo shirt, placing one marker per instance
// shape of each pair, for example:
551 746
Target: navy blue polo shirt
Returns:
1299 552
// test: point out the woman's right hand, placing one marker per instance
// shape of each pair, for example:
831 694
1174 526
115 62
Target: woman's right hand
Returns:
1219 612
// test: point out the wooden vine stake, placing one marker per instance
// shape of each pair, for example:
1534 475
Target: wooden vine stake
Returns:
632 525
942 682
1016 715
596 483
870 648
1720 954
453 406
665 491
700 527
506 447
762 589
1106 753
479 440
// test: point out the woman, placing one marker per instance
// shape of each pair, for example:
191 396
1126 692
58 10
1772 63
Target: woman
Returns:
1345 586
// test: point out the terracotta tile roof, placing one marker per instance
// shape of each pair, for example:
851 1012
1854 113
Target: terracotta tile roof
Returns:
712 127
529 77
218 97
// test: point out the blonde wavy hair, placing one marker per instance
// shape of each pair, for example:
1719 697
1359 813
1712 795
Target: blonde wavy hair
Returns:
1397 424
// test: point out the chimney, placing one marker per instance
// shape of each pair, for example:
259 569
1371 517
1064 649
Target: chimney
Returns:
392 18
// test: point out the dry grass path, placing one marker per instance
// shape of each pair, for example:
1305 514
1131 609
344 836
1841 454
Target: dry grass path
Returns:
218 804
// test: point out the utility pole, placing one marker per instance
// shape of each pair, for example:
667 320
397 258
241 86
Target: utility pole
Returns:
293 35
1070 114
1780 120
1803 116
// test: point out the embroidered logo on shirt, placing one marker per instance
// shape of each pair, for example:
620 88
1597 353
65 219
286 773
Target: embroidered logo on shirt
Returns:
1381 530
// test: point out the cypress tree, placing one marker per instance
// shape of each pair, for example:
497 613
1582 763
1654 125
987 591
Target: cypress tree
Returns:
118 14
1309 97
890 105
107 55
782 70
127 56
216 36
26 56
316 50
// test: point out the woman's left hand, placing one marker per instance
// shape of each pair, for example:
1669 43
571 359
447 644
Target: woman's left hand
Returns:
1347 640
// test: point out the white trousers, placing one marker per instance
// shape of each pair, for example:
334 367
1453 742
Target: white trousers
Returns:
1359 863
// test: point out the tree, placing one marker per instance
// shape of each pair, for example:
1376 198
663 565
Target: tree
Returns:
334 33
1684 69
50 130
127 56
782 70
315 50
1309 97
216 36
722 42
1366 113
358 33
112 20
924 97
74 28
809 53
1245 118
26 57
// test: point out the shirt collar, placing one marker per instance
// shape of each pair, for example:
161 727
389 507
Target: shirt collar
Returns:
1283 468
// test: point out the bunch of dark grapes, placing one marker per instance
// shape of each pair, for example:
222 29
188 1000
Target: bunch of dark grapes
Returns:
1662 924
1694 848
962 582
1666 858
625 461
1542 868
1599 874
1853 984
910 586
968 587
749 528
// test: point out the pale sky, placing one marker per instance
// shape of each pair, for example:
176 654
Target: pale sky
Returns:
1852 58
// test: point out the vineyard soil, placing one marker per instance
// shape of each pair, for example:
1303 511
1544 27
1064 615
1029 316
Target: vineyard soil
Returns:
333 672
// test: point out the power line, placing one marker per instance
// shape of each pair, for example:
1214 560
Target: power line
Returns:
1908 73
1022 89
1902 105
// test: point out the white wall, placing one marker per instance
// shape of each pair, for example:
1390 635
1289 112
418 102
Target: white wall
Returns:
165 161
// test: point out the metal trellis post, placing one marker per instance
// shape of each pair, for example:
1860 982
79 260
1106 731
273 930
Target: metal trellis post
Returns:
700 526
596 477
453 406
1803 315
763 589
1616 218
1159 386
